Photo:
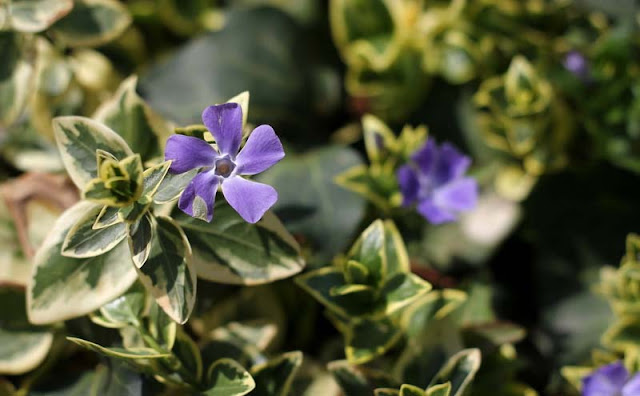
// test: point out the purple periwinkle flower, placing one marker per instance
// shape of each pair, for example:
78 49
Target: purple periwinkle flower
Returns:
225 166
434 180
577 64
611 380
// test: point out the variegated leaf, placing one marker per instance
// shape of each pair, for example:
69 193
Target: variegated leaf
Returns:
63 287
108 216
141 234
228 378
153 178
22 346
78 139
274 378
368 339
460 370
187 351
161 327
32 16
126 309
168 273
16 73
92 23
83 241
172 186
402 290
129 115
411 390
230 250
119 353
439 390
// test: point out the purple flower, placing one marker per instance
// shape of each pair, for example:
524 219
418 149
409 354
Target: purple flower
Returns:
611 380
434 180
577 64
225 166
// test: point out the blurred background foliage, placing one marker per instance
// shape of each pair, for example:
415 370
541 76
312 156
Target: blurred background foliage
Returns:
543 94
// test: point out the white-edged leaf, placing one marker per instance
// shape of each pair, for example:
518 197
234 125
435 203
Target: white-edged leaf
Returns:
62 287
32 16
78 139
228 378
83 240
120 353
230 250
141 233
168 272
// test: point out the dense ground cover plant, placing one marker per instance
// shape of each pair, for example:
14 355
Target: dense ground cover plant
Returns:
416 198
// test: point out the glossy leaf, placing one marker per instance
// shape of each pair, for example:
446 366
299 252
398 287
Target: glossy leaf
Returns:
230 250
126 309
228 378
141 234
168 273
439 390
83 241
119 353
172 186
410 390
402 290
78 139
368 339
89 283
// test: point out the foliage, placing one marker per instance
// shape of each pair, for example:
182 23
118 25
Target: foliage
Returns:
417 198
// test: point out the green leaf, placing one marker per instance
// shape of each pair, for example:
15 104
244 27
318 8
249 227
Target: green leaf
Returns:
141 234
321 282
78 139
168 273
92 23
32 16
439 390
274 378
311 204
228 378
395 250
230 250
410 390
63 287
623 334
459 371
119 353
16 73
83 241
244 342
108 216
172 186
354 272
129 115
153 178
369 250
402 290
367 339
23 346
126 309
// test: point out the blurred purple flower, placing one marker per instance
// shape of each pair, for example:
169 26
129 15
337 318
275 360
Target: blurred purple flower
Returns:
434 180
577 64
611 380
225 166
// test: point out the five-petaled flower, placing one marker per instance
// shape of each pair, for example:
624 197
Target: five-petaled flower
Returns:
611 380
225 166
434 180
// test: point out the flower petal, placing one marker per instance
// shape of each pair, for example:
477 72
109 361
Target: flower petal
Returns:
607 380
449 165
188 152
198 198
632 388
436 215
459 195
262 150
426 156
225 124
250 199
409 184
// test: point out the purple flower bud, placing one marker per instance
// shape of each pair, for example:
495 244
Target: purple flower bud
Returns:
611 380
225 166
577 64
434 180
